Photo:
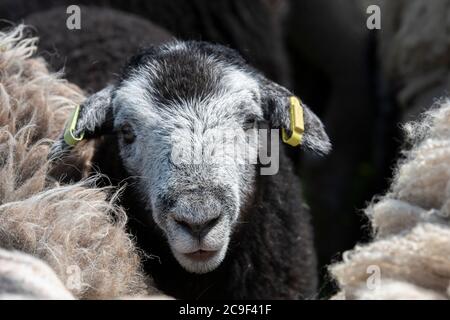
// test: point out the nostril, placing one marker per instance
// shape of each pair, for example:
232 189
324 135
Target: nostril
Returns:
196 229
211 223
183 224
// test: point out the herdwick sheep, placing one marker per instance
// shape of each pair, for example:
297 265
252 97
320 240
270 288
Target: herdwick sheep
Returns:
216 228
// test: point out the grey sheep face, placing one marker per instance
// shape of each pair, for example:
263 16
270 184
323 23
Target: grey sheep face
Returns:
194 198
185 116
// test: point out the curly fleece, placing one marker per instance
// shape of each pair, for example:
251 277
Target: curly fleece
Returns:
411 223
65 226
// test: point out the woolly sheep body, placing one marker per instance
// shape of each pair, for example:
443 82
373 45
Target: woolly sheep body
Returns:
392 290
64 226
258 37
92 56
410 223
25 277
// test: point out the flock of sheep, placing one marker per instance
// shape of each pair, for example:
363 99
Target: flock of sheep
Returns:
113 217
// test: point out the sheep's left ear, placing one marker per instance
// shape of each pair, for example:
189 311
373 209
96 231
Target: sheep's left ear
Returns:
91 119
277 101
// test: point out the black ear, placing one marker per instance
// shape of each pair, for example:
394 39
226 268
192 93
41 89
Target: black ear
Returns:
95 117
276 107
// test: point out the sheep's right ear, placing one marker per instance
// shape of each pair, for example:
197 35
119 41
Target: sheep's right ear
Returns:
95 117
277 103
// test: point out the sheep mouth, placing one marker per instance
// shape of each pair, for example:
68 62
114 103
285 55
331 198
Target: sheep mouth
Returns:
201 255
201 261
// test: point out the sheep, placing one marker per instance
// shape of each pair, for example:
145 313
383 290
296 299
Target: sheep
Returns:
214 229
414 53
25 277
253 27
410 251
75 229
90 57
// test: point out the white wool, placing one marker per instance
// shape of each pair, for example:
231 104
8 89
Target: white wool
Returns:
397 290
411 223
73 228
25 277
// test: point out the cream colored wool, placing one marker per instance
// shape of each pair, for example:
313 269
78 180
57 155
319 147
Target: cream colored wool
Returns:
25 277
72 227
411 223
392 290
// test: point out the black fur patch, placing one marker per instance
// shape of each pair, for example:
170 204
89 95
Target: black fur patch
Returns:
192 73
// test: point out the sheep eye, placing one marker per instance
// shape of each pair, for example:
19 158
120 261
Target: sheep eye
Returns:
127 133
249 123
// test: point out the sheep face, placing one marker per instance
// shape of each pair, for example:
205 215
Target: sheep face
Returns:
185 117
184 130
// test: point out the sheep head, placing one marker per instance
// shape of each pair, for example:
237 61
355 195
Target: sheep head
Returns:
185 117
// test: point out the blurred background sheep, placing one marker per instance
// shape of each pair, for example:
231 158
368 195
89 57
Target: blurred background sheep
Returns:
363 83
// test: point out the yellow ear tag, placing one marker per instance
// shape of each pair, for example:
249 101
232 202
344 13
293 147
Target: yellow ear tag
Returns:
69 136
297 125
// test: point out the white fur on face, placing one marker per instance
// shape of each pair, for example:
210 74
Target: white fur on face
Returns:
195 192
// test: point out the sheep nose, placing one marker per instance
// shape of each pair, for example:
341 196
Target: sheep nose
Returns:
197 230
